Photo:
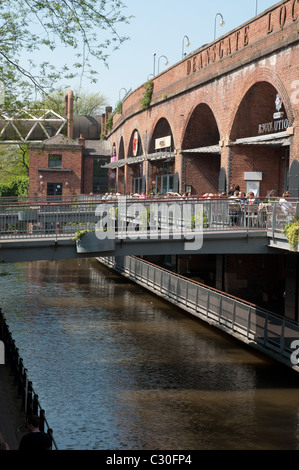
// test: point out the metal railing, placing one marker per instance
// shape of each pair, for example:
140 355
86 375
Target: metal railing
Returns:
39 218
25 392
272 334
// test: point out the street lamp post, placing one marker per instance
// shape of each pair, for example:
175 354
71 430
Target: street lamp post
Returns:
119 93
154 70
256 7
187 45
166 61
222 23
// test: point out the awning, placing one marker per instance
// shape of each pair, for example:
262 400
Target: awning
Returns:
140 158
208 149
279 139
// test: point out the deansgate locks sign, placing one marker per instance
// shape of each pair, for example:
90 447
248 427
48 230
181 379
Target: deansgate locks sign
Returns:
276 20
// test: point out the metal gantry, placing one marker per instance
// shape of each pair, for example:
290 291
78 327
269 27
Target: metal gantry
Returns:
24 126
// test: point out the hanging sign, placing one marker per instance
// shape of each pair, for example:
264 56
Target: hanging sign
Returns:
163 142
135 144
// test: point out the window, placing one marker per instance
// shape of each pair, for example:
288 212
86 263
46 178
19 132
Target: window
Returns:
100 176
55 161
54 189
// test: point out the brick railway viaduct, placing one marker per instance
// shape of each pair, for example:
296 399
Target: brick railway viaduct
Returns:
229 111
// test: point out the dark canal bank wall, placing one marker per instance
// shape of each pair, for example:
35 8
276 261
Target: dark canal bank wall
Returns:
18 399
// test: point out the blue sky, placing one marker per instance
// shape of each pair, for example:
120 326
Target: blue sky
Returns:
159 27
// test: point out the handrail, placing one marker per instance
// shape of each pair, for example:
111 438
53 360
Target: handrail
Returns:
266 331
25 390
147 218
60 218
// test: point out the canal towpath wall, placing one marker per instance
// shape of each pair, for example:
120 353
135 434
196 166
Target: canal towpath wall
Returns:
18 399
12 418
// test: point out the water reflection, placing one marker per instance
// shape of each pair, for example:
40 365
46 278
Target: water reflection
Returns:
117 368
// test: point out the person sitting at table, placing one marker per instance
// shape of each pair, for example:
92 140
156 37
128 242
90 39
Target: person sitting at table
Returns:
250 197
242 196
235 195
285 205
234 208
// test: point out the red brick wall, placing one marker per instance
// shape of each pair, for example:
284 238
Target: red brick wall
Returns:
71 180
87 186
202 173
269 161
236 78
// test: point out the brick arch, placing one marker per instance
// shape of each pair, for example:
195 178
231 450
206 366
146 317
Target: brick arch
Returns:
264 74
154 127
130 144
207 128
121 148
206 98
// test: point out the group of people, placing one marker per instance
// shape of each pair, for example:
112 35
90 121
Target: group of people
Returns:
233 193
34 440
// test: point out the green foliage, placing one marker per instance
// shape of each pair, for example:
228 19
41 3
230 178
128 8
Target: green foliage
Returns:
200 220
18 186
118 110
147 96
119 107
32 30
80 233
291 231
85 104
109 123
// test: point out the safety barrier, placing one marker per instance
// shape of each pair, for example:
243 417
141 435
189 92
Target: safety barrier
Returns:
30 404
40 219
272 334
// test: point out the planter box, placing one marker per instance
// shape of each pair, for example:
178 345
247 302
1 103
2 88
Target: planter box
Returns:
89 243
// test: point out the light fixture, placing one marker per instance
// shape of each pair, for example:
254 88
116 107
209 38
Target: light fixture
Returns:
222 23
119 93
183 44
165 63
154 68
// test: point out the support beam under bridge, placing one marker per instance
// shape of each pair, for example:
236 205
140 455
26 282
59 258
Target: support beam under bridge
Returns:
241 242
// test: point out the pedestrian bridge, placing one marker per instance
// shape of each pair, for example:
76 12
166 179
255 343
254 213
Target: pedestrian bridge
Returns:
48 229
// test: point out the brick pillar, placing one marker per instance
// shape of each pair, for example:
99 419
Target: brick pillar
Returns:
69 111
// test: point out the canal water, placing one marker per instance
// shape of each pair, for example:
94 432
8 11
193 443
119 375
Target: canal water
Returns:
117 368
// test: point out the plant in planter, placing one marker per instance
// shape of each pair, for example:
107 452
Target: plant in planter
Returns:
291 231
80 233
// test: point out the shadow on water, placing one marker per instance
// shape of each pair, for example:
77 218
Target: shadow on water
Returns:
118 368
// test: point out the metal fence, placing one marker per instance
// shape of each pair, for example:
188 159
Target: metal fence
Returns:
39 218
25 392
272 334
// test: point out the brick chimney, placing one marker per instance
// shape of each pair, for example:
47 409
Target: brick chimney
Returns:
69 111
81 140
